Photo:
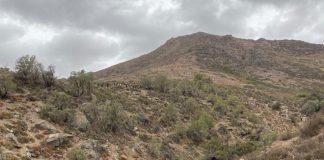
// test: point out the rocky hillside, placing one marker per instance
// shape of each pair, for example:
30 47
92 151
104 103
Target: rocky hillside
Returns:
198 96
229 60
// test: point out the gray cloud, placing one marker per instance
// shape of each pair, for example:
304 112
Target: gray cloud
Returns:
93 34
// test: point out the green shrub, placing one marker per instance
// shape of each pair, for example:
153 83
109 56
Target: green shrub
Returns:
166 151
76 154
190 106
28 70
6 86
244 148
146 82
111 118
53 114
170 115
310 107
81 83
161 83
252 117
198 128
221 106
218 148
59 116
61 100
187 88
268 137
154 147
222 150
45 110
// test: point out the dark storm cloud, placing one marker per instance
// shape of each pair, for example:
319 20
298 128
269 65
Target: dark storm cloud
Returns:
93 34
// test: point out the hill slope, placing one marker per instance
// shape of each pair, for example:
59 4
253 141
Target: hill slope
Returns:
227 60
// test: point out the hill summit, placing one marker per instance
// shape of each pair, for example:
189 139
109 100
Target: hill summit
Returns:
226 58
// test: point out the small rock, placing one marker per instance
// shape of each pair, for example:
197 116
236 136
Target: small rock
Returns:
123 157
31 98
275 105
57 139
43 126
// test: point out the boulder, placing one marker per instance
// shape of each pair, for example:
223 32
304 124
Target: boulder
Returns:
79 121
57 139
31 98
12 138
44 126
92 148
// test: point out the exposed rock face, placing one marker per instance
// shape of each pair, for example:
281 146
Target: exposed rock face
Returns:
56 140
79 121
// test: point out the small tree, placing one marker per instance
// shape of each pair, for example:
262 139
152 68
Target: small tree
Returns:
81 83
48 76
28 70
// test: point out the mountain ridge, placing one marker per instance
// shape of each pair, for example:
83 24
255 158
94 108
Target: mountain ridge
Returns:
225 56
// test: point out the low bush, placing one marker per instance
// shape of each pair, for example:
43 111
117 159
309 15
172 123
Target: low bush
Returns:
60 100
28 70
76 154
170 115
313 126
198 128
190 106
222 150
146 83
55 115
160 83
154 147
310 107
110 118
6 86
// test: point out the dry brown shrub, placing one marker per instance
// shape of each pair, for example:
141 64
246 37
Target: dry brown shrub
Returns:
313 126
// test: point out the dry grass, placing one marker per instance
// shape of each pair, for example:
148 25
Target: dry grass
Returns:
5 115
313 126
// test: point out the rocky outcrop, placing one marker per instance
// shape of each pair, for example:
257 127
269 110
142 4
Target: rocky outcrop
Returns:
57 139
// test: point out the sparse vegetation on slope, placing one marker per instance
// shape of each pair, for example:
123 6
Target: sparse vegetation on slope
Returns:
208 97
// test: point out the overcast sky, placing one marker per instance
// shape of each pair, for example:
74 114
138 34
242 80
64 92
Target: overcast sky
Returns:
95 34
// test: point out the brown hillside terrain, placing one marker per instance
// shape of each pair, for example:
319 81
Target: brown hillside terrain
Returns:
198 96
228 60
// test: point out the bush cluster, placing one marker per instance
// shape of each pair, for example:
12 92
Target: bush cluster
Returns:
170 115
30 71
199 127
54 114
81 83
311 102
6 86
313 126
76 154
